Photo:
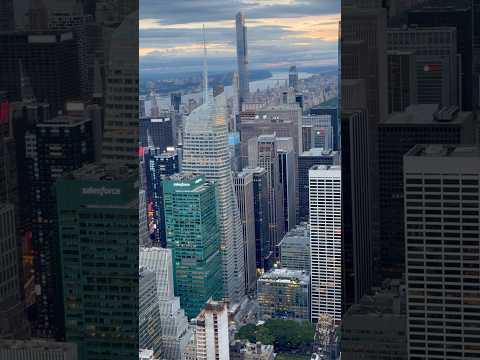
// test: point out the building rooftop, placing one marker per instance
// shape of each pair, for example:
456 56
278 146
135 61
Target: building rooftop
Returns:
388 300
319 152
296 236
428 114
251 170
326 167
38 345
285 275
101 171
447 151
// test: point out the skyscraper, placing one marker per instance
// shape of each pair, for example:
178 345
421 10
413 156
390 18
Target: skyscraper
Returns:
263 152
305 161
192 228
293 77
98 235
325 241
50 58
287 166
149 322
442 204
159 165
211 332
120 141
245 197
12 311
436 78
53 148
263 257
205 152
242 58
174 332
157 131
418 124
357 239
459 15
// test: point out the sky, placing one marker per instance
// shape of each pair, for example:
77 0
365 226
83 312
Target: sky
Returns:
280 33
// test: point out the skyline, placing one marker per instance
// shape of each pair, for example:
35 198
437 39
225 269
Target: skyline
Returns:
171 41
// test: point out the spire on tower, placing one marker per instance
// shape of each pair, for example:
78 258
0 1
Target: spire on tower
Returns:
205 68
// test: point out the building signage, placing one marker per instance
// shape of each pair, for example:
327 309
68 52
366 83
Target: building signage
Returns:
102 191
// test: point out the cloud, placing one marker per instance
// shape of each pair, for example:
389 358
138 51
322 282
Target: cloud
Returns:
279 32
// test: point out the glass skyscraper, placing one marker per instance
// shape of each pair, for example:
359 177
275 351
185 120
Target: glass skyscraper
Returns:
192 234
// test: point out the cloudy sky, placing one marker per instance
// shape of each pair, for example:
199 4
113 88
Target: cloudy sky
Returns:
280 33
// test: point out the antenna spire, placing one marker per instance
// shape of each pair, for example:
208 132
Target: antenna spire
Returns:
205 68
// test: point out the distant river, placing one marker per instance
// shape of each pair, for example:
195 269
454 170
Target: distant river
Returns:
278 79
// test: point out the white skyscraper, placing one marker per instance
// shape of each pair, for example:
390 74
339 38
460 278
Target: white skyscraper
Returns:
442 251
211 332
325 241
206 152
175 332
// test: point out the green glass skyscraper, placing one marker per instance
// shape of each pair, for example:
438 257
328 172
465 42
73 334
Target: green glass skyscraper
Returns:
193 235
98 235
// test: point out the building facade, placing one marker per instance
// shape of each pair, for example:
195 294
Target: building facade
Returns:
192 228
325 241
284 294
441 184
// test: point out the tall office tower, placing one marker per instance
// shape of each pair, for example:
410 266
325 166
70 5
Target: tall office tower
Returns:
402 83
191 213
211 332
305 161
287 166
441 185
12 310
436 78
263 257
53 148
320 134
332 112
375 327
37 349
243 182
284 120
7 16
357 240
175 332
205 152
120 141
86 34
149 322
159 165
242 58
157 132
295 249
293 77
284 293
420 124
50 58
457 14
364 30
176 101
264 153
101 320
325 241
